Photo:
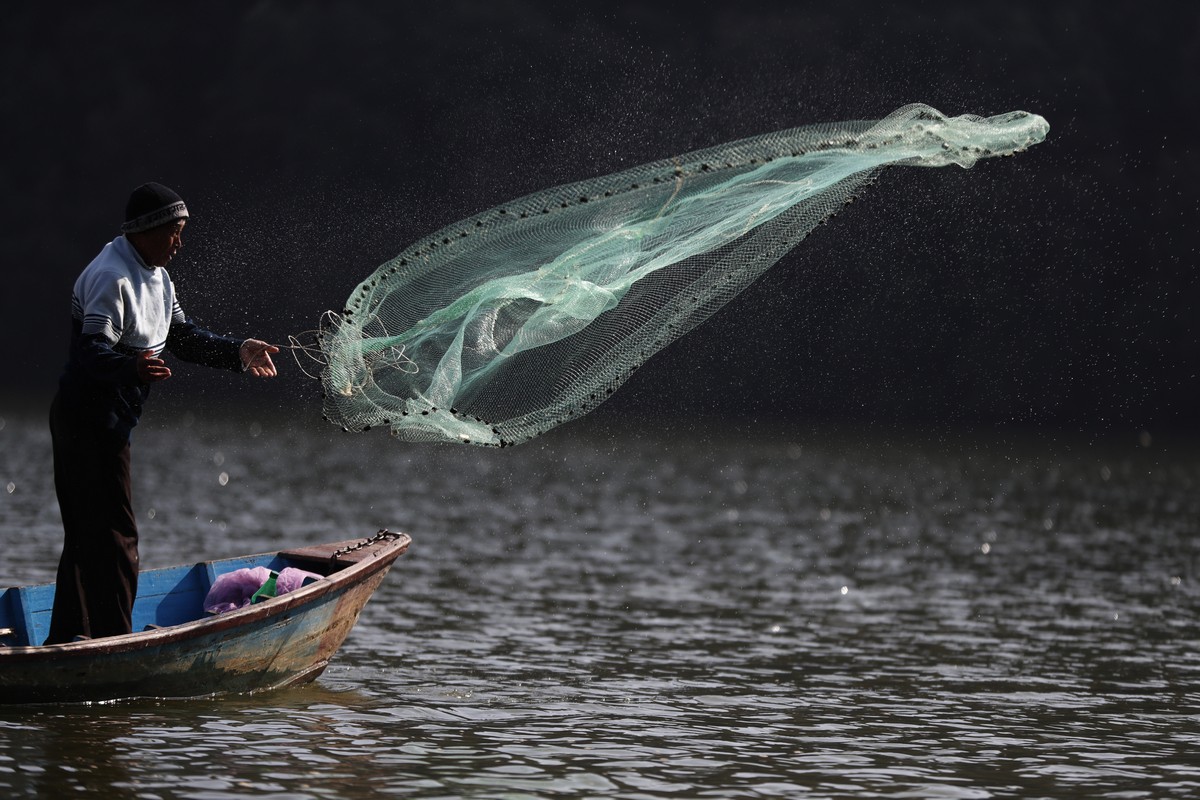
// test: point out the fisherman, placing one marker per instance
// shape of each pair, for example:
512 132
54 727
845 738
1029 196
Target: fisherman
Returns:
124 313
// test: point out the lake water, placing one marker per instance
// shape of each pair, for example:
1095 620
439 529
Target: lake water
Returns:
668 613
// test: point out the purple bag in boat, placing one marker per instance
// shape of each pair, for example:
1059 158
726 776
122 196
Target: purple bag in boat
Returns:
290 579
234 589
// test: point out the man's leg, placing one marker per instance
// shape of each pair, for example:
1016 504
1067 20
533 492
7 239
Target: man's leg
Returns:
98 571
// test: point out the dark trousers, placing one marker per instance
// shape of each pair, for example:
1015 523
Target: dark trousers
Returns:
98 571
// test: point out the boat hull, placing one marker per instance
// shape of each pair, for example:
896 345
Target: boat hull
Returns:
281 642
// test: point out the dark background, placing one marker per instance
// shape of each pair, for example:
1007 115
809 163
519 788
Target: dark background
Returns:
313 141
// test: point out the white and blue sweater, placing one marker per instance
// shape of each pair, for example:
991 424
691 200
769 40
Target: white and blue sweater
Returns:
122 307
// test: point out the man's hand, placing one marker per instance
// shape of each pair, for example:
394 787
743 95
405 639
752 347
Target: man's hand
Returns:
256 358
151 368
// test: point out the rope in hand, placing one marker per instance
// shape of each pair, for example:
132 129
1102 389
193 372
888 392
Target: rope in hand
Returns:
308 344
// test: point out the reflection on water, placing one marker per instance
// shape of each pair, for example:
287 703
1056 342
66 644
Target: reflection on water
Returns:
834 616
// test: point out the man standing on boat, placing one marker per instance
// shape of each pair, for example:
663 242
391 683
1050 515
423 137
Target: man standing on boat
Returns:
124 313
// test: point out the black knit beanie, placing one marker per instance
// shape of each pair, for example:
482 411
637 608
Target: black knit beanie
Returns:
151 205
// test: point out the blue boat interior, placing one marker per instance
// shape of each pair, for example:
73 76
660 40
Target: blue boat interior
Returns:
167 596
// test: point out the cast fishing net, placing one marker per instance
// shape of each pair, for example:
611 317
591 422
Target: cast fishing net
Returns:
499 327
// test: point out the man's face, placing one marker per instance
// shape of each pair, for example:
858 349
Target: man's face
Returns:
158 245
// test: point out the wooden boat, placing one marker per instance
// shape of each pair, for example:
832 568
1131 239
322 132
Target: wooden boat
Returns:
178 650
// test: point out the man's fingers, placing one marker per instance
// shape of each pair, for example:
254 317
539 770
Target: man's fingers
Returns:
256 356
151 369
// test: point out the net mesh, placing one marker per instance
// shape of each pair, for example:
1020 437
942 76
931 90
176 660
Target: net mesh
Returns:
501 326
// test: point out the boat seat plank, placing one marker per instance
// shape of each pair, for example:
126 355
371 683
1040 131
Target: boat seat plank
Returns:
319 555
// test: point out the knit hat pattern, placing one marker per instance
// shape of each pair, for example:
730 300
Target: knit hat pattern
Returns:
151 205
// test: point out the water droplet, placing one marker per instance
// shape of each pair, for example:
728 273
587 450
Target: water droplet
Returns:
223 478
845 590
12 487
985 548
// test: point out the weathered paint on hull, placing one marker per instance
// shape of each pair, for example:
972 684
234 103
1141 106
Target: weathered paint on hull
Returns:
284 641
